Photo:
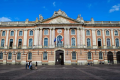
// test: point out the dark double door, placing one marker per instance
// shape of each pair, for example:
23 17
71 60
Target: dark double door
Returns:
59 57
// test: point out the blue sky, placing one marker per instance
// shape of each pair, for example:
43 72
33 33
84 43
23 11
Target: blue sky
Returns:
20 10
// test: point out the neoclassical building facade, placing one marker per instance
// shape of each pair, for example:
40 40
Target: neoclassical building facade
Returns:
60 40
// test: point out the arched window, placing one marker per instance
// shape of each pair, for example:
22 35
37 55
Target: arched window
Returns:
108 42
18 55
99 42
2 42
29 56
12 33
87 32
45 56
73 55
45 32
73 32
116 32
59 42
89 55
19 43
45 41
88 42
31 33
1 55
30 42
9 55
98 33
107 33
20 33
11 43
100 55
117 42
73 41
3 33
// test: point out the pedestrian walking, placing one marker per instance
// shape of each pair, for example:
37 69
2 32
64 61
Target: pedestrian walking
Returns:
36 65
26 64
31 65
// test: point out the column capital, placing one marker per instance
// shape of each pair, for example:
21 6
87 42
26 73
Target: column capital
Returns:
53 28
93 29
25 29
65 28
78 28
68 28
40 28
50 28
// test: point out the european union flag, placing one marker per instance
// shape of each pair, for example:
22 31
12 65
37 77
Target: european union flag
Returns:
55 40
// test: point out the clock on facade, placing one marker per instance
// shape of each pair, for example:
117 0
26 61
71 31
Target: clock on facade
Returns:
59 31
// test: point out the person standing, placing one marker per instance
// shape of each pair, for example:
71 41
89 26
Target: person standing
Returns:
31 65
36 65
26 64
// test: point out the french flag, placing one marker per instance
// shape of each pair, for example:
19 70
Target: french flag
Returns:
62 39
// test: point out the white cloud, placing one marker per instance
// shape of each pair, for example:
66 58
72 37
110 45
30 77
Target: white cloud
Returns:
115 8
3 19
54 4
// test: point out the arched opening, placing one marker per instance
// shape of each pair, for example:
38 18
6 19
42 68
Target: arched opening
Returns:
59 42
59 57
110 57
118 57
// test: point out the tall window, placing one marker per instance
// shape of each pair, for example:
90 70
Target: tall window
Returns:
59 42
18 55
100 55
116 32
45 41
87 32
2 42
108 42
11 43
3 33
98 33
45 32
20 33
89 55
107 33
31 33
29 56
99 42
73 32
10 55
73 55
88 42
19 43
12 33
117 42
30 42
45 56
73 41
1 55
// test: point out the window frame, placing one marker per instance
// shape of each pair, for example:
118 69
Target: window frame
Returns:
71 31
118 41
29 56
11 56
90 42
44 42
19 33
2 33
44 31
117 33
11 32
1 43
46 55
71 41
17 56
88 56
74 56
106 33
101 56
110 42
1 55
30 34
29 42
87 34
97 33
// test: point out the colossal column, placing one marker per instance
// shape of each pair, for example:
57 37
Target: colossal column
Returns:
83 37
78 38
35 37
15 39
25 39
112 38
40 38
7 39
50 37
103 38
94 38
53 37
64 37
68 39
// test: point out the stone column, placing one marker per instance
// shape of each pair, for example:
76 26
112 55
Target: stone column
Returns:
68 39
94 38
84 38
78 38
35 37
40 38
64 37
15 40
53 43
25 39
112 38
50 38
7 39
103 39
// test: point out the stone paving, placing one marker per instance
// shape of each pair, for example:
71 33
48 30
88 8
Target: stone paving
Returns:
59 72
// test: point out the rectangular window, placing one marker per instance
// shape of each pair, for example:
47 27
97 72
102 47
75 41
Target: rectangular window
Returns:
12 33
2 42
45 32
73 56
45 56
3 33
10 56
1 55
20 33
11 43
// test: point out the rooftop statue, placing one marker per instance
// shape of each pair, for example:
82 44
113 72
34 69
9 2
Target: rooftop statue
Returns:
60 13
40 17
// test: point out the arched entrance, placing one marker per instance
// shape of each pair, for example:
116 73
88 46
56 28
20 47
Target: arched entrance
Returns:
110 57
118 57
59 60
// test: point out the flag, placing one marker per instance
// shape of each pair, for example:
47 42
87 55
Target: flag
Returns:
62 39
55 40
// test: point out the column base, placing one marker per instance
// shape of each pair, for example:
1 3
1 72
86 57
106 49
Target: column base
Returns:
39 46
24 47
94 47
13 61
95 61
115 61
67 63
114 47
84 62
106 61
14 47
5 47
51 62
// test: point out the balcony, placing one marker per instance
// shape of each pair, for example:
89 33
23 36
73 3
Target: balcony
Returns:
109 47
89 47
100 47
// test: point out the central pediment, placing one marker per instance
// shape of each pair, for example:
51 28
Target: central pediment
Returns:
59 20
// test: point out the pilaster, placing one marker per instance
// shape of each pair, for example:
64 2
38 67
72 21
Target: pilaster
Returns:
103 38
14 47
7 39
40 38
94 38
78 37
25 39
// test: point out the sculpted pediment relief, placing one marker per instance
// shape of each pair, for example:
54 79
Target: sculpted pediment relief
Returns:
59 20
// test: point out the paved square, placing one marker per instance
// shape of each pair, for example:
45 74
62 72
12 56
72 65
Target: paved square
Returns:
96 72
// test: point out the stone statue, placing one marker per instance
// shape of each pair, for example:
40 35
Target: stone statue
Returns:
78 18
40 17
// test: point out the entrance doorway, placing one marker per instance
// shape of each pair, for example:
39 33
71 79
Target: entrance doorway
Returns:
59 57
110 57
118 57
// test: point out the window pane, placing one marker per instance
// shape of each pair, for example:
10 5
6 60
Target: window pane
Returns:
100 55
12 33
88 42
29 55
18 55
31 33
1 55
2 42
10 56
45 56
107 32
73 55
108 42
116 32
20 33
73 41
98 32
88 32
3 33
117 42
30 42
45 41
72 31
45 32
89 55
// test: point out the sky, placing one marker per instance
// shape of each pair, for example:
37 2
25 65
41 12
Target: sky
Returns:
99 10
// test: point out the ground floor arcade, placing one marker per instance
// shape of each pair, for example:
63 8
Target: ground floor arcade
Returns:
60 56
